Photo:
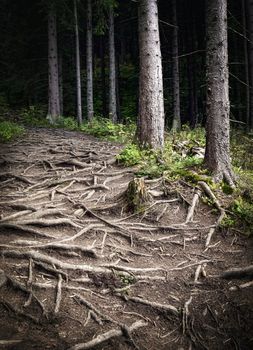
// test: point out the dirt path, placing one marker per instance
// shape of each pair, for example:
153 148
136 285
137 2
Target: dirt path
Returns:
76 267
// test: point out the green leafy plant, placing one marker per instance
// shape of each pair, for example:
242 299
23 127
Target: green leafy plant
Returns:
34 116
106 129
67 123
9 131
131 155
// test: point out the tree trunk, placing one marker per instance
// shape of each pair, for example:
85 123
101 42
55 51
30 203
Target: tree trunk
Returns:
103 80
176 123
246 60
53 88
89 63
60 84
112 69
78 69
217 157
250 60
150 128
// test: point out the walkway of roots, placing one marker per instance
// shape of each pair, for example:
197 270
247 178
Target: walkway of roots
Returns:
79 271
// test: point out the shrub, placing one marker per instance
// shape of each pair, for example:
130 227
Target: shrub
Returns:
9 131
106 129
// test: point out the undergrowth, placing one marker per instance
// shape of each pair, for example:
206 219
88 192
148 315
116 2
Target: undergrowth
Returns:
9 131
182 152
107 130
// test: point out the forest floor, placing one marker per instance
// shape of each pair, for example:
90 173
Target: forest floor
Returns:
78 268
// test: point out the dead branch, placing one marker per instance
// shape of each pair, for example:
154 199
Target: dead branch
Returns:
114 333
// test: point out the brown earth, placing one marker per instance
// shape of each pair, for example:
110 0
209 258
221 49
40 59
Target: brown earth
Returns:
147 279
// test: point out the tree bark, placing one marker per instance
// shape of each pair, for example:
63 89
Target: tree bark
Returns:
60 84
89 62
250 60
217 157
112 69
53 77
78 69
103 78
176 123
150 126
246 64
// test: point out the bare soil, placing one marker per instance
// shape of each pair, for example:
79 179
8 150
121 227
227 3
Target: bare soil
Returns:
78 268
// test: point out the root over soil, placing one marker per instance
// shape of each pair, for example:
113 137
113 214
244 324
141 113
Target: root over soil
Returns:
80 270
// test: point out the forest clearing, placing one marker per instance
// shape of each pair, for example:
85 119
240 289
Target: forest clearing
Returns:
77 265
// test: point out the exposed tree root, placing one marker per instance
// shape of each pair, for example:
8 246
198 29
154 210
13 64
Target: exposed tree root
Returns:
114 333
192 206
102 316
238 273
19 312
49 222
123 232
58 294
53 261
161 307
55 245
25 229
241 286
211 195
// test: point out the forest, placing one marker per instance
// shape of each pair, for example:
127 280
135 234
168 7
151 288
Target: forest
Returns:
126 174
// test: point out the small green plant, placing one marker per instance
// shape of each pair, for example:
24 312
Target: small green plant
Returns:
107 130
131 155
228 222
9 131
34 116
127 280
67 123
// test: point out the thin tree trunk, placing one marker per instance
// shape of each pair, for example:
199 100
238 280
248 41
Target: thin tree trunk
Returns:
89 63
217 157
60 85
150 128
103 80
112 69
78 69
250 62
54 101
246 64
176 123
